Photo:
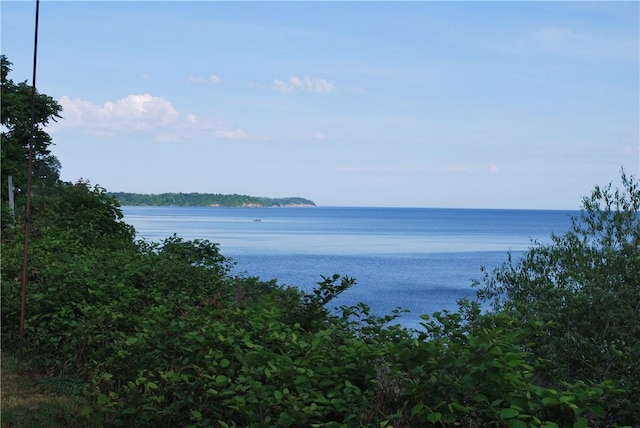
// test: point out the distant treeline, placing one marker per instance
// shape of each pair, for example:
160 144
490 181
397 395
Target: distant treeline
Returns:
205 199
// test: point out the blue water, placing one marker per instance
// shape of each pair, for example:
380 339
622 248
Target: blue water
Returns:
419 259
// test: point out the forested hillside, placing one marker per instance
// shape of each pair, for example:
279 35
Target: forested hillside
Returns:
206 199
162 334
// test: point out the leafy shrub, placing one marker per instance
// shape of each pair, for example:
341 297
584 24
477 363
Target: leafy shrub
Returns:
479 374
585 287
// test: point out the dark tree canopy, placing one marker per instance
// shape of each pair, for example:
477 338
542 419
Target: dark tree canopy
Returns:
16 132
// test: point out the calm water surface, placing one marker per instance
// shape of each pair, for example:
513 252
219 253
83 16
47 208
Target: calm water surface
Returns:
418 259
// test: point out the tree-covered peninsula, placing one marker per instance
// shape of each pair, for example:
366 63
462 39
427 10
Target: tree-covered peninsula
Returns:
206 199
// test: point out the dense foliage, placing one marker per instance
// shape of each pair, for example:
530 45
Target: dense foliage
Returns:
586 286
161 334
16 132
205 199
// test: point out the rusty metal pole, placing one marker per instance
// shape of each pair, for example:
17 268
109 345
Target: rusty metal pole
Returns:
27 211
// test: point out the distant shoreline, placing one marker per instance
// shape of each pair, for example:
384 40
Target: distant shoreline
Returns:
219 206
207 200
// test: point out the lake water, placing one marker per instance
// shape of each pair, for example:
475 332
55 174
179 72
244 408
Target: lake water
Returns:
414 258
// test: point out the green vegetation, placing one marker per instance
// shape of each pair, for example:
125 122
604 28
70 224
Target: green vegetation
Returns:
28 400
205 199
162 334
585 286
15 112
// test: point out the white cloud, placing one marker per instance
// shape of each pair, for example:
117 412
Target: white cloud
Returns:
140 113
556 35
304 84
629 150
134 112
255 85
568 43
199 79
196 128
589 44
493 168
310 136
232 134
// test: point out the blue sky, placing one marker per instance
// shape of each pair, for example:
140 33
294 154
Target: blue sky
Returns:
410 104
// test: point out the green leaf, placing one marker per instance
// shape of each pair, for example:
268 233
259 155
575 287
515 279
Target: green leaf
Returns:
597 410
580 423
459 407
434 417
417 409
102 399
508 413
86 411
515 423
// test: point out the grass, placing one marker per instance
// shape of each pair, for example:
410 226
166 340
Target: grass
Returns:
31 401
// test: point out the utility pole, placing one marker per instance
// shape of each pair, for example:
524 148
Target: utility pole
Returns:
12 202
27 211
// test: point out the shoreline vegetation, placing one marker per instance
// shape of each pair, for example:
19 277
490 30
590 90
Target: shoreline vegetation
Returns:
207 200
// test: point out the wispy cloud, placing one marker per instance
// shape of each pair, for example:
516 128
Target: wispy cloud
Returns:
213 78
556 35
310 136
631 151
318 136
367 169
456 168
140 113
304 84
567 42
585 43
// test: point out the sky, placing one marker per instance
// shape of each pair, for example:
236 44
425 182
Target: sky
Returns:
524 105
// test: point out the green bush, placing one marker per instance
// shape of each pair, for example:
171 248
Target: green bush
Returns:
585 287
